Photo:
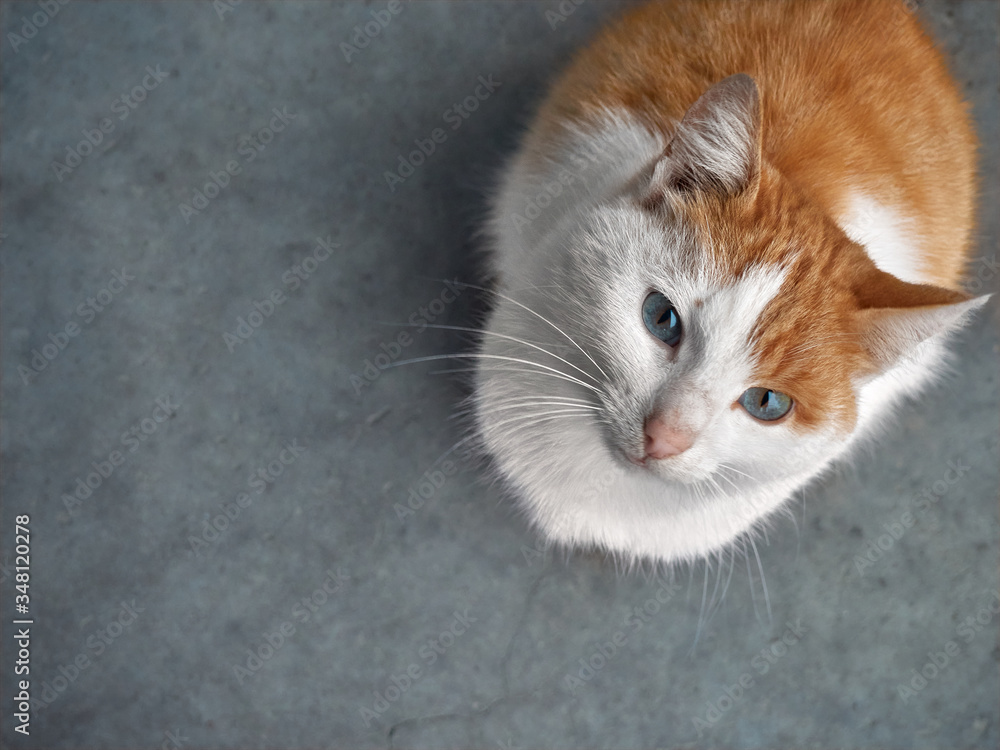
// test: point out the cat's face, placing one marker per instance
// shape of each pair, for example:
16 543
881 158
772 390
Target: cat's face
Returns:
696 397
674 400
695 346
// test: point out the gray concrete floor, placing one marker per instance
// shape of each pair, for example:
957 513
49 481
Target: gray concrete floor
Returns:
319 616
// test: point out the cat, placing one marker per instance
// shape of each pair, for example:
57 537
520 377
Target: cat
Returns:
729 243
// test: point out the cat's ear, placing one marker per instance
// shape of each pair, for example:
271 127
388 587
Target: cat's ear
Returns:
716 147
904 316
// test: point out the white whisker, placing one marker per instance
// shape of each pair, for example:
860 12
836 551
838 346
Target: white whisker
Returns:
753 592
735 470
471 355
543 417
724 478
715 589
540 317
763 581
507 368
732 566
570 399
701 611
509 338
568 378
508 407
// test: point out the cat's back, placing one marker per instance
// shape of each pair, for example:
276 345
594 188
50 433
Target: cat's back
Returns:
859 110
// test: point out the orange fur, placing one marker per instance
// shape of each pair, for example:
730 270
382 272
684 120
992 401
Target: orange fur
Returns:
853 97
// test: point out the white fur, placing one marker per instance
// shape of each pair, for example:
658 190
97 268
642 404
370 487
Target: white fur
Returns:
886 235
583 265
890 241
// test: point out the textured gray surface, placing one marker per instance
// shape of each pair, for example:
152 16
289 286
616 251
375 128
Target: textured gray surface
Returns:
464 562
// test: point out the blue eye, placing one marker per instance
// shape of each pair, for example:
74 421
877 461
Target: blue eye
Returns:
765 404
661 318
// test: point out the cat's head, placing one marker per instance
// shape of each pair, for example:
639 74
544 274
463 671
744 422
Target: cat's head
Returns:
712 330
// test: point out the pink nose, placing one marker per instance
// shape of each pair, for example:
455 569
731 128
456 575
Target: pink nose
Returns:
663 441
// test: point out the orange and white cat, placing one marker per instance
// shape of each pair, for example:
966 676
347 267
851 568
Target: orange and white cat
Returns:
730 242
